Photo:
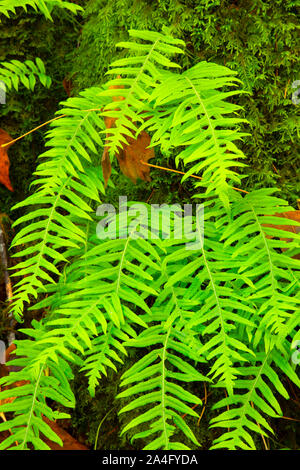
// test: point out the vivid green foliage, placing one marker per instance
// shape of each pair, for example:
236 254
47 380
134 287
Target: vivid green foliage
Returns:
8 7
14 72
24 37
256 38
224 314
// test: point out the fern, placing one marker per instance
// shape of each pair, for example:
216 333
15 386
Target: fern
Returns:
44 6
15 72
63 183
218 312
146 69
267 266
248 409
197 118
30 403
166 399
223 313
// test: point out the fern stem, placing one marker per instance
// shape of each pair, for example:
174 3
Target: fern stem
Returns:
41 125
98 429
163 393
32 406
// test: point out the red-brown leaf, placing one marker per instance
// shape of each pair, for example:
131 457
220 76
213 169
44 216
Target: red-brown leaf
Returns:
292 215
4 160
130 156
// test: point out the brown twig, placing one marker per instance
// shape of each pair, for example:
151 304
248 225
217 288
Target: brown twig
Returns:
182 173
204 406
262 436
44 124
7 281
32 130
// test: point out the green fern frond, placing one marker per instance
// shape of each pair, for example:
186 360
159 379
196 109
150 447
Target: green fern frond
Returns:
44 6
91 303
246 411
66 185
267 266
161 401
139 74
15 72
197 118
30 404
220 311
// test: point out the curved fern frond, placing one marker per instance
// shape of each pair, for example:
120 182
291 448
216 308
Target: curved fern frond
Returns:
66 184
245 412
220 311
192 112
139 74
15 72
253 230
30 404
44 6
161 401
94 302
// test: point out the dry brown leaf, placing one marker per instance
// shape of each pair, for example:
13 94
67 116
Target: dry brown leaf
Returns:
4 160
69 442
292 215
5 369
67 84
130 156
106 165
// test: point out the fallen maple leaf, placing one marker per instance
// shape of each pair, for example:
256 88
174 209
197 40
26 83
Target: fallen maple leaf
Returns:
131 155
4 160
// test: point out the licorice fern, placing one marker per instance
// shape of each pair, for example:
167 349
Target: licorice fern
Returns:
15 72
224 313
65 185
146 69
196 117
8 7
246 411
